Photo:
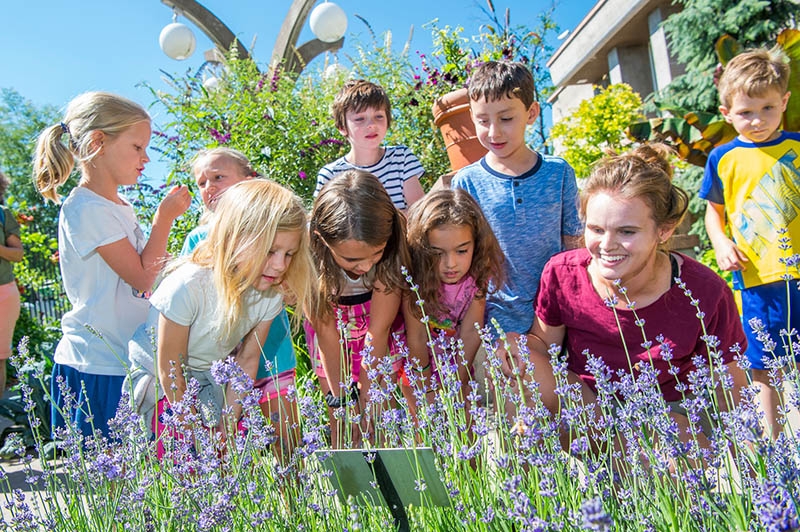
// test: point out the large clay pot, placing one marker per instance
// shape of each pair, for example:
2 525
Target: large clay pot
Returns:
451 116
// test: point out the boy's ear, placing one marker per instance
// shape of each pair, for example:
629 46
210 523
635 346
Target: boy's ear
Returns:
725 113
533 113
785 101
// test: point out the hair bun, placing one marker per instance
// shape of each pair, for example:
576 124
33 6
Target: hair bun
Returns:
656 154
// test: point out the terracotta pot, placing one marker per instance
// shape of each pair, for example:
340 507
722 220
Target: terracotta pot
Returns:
451 116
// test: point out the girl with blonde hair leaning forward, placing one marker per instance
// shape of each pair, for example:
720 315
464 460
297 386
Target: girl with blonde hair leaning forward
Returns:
229 288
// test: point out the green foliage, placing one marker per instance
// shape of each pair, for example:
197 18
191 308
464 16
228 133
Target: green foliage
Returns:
283 124
597 125
694 134
37 273
21 410
789 41
694 30
40 249
283 128
20 124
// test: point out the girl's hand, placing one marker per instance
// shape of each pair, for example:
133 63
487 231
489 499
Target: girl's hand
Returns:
175 203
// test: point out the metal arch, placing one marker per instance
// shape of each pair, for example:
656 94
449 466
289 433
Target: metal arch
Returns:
285 51
212 26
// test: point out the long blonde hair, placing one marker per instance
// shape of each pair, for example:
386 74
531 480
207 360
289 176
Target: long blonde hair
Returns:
240 237
60 145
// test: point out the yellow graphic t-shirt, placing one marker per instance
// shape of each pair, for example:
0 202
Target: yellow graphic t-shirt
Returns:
759 185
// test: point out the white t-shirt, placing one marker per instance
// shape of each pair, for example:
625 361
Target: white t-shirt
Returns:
99 297
187 296
356 287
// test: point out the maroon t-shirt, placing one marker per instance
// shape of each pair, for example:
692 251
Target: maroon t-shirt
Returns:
566 297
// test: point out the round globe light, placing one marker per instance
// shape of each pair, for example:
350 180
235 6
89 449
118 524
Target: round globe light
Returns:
211 84
335 71
177 41
328 22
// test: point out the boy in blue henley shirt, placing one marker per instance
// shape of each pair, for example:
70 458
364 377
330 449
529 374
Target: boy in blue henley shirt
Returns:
529 199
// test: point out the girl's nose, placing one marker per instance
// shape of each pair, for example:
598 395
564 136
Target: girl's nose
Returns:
279 263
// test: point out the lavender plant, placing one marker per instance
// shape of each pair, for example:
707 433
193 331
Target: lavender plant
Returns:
506 461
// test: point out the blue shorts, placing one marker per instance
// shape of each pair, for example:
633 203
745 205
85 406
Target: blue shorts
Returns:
100 395
768 303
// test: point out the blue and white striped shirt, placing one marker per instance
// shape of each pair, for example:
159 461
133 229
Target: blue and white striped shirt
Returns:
397 165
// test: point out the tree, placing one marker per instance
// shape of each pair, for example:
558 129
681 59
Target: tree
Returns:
598 124
693 32
20 124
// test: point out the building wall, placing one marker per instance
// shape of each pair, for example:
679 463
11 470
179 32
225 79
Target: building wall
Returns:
619 41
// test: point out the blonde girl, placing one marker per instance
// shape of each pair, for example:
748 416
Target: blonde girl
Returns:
107 265
454 254
216 170
226 290
359 245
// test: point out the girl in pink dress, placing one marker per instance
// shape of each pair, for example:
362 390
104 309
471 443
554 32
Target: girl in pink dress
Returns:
455 256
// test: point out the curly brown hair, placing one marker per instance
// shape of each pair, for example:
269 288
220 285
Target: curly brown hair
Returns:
355 206
450 207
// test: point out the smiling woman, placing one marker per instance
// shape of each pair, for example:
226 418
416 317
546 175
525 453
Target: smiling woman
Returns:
599 302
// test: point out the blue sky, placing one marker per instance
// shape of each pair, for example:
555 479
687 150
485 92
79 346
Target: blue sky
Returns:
52 50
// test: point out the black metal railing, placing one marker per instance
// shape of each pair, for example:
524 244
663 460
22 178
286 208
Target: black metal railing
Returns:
43 292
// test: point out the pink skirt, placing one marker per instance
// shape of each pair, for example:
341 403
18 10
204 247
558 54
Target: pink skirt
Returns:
357 318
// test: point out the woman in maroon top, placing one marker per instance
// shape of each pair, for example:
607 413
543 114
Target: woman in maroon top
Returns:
631 209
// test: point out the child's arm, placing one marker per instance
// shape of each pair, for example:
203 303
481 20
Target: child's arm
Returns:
729 256
140 271
469 334
412 191
383 311
248 358
173 342
419 354
329 354
12 250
